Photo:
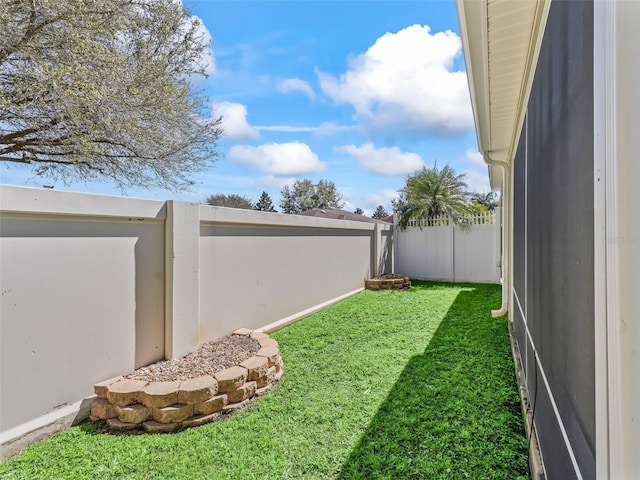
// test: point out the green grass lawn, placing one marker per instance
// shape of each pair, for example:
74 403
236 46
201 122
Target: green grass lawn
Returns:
386 384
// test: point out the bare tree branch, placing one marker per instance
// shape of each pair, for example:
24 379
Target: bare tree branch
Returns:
100 90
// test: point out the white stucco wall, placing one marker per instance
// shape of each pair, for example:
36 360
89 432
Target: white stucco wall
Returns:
96 286
82 282
257 268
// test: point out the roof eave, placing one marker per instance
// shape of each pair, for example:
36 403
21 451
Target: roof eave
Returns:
476 63
474 19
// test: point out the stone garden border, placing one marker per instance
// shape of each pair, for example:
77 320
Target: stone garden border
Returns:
127 404
388 282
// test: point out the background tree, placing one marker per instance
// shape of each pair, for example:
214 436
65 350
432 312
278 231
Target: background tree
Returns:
380 213
489 202
101 91
232 200
264 203
287 203
359 211
430 192
305 195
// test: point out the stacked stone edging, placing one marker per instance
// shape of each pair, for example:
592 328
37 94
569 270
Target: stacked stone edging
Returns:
128 404
391 282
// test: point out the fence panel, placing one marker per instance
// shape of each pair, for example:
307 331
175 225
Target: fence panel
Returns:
257 268
476 254
82 298
436 250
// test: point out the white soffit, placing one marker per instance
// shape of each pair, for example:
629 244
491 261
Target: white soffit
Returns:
501 40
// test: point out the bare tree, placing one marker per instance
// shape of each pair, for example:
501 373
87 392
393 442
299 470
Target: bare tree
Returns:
101 90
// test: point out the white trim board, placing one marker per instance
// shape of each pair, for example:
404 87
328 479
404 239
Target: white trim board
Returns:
602 68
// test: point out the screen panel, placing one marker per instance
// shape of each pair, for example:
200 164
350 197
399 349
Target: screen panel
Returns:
559 235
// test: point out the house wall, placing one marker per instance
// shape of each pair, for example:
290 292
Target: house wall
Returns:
617 236
626 239
553 244
95 286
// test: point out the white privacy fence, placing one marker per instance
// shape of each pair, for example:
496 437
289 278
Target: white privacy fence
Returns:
96 286
435 249
445 220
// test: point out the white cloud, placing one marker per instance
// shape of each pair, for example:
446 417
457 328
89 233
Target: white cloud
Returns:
234 121
384 161
348 206
291 158
475 157
477 181
271 181
207 58
329 129
405 83
325 129
382 197
476 177
216 181
285 128
296 85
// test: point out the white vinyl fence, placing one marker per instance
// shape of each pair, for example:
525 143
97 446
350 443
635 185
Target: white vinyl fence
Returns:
435 249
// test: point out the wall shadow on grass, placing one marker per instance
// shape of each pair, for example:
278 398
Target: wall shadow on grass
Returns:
454 411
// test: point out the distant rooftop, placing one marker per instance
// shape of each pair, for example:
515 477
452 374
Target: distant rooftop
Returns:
344 215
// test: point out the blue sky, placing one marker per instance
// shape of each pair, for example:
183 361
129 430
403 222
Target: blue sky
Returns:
358 92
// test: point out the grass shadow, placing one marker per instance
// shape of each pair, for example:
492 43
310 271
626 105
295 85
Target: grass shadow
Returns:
454 411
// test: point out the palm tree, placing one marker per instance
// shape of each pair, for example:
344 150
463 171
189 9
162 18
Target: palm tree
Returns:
431 192
488 201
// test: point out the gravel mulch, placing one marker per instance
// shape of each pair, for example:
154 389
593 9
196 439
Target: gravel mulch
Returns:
208 359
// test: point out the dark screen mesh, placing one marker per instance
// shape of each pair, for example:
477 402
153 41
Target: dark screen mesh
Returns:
558 259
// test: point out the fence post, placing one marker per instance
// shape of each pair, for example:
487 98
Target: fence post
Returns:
395 243
391 246
453 250
376 250
182 278
497 224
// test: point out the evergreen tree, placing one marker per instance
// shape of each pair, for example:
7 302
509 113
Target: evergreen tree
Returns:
287 203
359 211
380 213
264 204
